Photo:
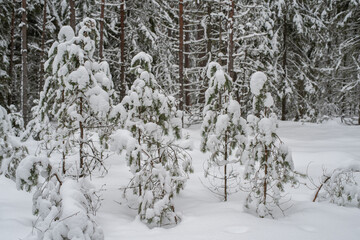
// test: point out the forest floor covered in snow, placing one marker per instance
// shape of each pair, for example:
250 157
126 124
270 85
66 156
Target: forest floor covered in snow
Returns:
315 147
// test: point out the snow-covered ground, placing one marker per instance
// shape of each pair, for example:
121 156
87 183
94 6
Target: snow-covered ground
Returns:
314 148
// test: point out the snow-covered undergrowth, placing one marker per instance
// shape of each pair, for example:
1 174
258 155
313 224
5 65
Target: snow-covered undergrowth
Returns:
204 216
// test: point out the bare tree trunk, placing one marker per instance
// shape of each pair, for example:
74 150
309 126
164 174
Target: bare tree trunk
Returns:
43 35
122 50
187 64
72 14
225 169
12 43
231 40
101 30
181 53
139 161
208 30
284 63
358 102
266 174
63 153
81 150
266 156
25 87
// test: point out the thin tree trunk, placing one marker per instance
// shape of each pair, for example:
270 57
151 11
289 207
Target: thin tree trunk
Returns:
266 173
24 100
63 153
317 192
139 161
41 84
11 60
359 114
208 30
187 64
284 63
72 14
101 30
81 150
181 53
231 40
225 169
63 162
358 103
122 50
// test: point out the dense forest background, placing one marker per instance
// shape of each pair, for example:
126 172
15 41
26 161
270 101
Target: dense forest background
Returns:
310 49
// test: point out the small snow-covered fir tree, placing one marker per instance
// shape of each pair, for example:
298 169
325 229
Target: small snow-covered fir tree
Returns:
11 150
77 96
71 114
269 165
222 132
65 206
155 153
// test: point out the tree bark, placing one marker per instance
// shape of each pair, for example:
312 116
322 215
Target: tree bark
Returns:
181 53
122 50
266 174
11 60
24 100
43 35
225 169
101 43
231 40
81 148
317 192
139 160
72 14
284 63
187 64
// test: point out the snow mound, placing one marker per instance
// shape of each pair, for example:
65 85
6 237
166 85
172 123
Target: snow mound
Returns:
257 82
66 33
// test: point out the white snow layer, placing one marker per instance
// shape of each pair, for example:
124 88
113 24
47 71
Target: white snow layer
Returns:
257 82
66 33
204 216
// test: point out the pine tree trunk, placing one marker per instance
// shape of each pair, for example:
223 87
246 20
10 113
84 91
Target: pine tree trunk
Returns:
231 40
11 60
101 43
208 30
72 14
122 50
284 63
63 162
181 53
81 148
266 174
187 64
358 101
41 83
225 169
24 100
139 161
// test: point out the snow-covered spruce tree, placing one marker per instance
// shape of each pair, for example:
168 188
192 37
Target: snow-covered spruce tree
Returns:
65 206
155 153
11 150
76 95
222 132
269 164
76 99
